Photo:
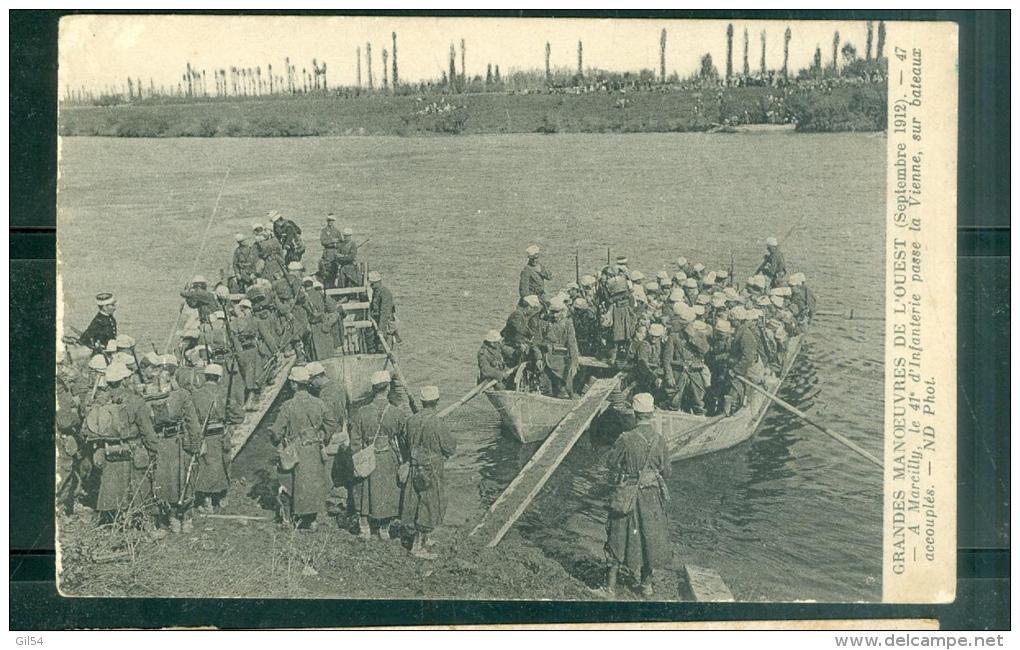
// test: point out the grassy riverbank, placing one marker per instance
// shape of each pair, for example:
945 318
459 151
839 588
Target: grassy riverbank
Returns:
843 108
238 558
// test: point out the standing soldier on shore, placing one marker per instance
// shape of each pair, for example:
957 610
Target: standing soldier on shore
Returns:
329 265
348 275
244 264
103 327
533 276
125 445
637 524
384 312
429 444
288 234
376 498
301 429
179 440
213 407
337 441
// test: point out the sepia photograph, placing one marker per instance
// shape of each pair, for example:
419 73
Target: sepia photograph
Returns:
486 308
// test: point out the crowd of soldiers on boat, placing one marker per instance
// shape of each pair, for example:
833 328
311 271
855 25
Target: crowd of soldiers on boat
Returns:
146 435
681 335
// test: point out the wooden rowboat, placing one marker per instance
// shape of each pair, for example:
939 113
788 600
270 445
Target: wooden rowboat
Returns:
530 417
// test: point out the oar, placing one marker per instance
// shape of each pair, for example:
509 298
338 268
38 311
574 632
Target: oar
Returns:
393 360
803 416
474 392
198 256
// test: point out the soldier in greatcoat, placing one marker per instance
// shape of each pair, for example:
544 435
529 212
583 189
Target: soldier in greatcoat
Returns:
179 440
125 443
533 276
216 412
329 265
376 498
302 428
429 443
493 359
637 528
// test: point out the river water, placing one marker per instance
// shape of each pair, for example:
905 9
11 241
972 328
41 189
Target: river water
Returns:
788 515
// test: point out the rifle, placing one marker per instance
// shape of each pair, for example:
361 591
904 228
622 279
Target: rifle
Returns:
194 459
396 369
733 280
577 266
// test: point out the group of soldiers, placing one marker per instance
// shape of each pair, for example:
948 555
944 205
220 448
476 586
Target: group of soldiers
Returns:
148 435
683 336
682 340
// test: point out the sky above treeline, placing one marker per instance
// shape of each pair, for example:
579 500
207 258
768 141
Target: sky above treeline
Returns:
99 51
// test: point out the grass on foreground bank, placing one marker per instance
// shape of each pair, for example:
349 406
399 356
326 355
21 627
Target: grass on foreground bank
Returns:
853 108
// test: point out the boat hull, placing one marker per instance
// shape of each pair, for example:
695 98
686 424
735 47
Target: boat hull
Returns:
530 418
354 372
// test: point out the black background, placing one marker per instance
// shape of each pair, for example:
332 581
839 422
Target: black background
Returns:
983 375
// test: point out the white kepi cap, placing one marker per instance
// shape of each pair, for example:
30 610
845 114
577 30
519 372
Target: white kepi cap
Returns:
492 336
380 377
117 372
532 250
643 403
429 393
314 368
771 241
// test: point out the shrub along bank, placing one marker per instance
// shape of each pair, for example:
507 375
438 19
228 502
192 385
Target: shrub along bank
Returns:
841 108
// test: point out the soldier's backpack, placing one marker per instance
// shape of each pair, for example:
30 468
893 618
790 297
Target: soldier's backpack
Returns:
108 422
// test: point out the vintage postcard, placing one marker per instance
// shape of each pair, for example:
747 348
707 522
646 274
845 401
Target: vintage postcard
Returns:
506 308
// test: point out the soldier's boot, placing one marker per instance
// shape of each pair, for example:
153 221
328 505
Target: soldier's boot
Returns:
418 549
364 531
249 401
645 588
384 532
188 525
728 404
611 577
223 502
175 525
428 540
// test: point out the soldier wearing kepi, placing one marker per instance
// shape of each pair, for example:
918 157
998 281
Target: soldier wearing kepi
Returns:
216 413
198 297
429 444
103 327
773 266
684 362
302 427
244 264
378 424
533 276
288 234
383 311
493 358
337 442
329 264
637 524
348 274
179 440
559 344
125 442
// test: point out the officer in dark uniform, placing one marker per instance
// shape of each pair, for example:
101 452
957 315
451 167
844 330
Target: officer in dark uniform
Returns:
103 327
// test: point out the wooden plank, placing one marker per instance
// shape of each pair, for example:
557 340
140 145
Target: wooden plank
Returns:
706 585
242 432
346 291
352 306
509 506
592 362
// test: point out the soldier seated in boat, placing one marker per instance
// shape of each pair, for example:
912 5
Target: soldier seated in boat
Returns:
494 358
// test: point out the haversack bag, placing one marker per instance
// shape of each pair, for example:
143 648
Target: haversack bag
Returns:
403 472
288 456
423 478
364 459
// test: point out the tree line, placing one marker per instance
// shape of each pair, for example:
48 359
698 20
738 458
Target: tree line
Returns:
256 81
